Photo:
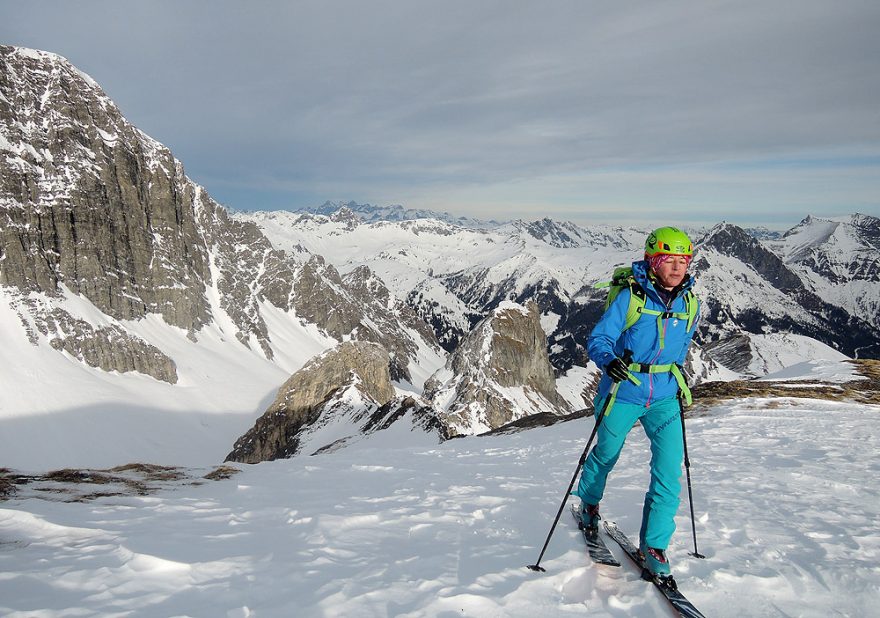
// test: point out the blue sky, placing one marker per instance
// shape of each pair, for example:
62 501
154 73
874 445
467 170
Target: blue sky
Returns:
680 112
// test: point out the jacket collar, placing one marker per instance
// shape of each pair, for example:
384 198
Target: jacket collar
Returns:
640 274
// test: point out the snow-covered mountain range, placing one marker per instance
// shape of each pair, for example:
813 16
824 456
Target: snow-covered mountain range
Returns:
370 213
452 276
132 303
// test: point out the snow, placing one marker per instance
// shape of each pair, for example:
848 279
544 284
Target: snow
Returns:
57 412
572 383
509 305
848 259
820 369
786 515
772 353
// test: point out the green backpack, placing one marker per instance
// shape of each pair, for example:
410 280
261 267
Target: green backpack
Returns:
623 279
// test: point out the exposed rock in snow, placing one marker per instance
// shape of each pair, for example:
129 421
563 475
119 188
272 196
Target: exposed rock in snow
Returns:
760 355
499 373
353 377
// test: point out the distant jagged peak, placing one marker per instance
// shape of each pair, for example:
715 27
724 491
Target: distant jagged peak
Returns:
840 249
869 228
347 217
724 236
851 231
865 227
862 222
727 230
570 235
826 224
859 219
763 233
562 234
370 213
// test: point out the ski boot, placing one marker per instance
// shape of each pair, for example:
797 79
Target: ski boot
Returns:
657 568
590 517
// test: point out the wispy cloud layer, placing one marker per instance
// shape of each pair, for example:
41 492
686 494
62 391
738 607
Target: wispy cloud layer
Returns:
487 108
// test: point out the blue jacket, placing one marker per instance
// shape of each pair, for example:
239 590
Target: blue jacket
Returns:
608 339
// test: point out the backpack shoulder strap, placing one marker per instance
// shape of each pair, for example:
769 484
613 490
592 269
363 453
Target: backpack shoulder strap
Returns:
637 299
691 306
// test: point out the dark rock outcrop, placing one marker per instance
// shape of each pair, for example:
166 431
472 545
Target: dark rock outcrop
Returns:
309 395
499 373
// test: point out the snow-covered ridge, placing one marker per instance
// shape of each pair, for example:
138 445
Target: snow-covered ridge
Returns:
395 212
839 258
405 253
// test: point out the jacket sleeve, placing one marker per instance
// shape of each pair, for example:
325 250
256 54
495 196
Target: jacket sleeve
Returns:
687 342
604 336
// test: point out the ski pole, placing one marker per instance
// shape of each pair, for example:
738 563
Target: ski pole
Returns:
687 467
627 357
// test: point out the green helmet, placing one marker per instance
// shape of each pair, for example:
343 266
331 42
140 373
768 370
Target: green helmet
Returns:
668 240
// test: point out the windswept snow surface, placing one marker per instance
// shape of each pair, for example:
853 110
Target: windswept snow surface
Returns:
787 513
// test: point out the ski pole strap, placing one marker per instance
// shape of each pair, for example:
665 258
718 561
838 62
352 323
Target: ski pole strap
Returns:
670 368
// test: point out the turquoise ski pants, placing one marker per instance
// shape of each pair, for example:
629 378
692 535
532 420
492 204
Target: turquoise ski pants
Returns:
662 425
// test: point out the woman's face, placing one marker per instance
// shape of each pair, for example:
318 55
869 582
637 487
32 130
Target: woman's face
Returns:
672 271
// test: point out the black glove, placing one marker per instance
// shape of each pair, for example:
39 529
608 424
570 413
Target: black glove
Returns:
617 370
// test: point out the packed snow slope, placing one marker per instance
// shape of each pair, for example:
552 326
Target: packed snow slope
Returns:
785 490
58 412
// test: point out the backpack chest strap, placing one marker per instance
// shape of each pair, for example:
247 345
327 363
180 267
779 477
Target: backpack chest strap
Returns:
665 315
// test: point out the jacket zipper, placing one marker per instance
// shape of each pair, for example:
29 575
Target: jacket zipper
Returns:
656 356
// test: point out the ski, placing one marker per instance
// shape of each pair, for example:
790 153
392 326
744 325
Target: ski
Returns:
599 552
667 586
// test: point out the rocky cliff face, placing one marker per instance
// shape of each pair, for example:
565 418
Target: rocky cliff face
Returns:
339 395
90 202
92 207
499 373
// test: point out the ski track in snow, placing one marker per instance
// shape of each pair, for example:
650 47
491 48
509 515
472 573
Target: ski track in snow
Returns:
787 514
